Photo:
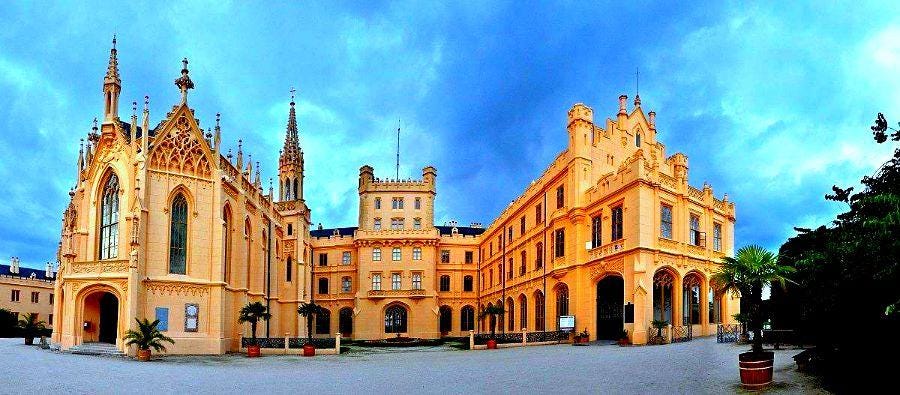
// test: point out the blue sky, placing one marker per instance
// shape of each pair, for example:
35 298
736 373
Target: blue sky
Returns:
771 103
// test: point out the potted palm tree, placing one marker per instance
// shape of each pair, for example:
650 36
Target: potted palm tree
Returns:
253 313
658 338
746 274
145 337
309 311
30 327
492 311
623 338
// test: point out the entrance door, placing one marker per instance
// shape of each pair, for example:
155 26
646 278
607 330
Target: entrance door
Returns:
610 304
109 318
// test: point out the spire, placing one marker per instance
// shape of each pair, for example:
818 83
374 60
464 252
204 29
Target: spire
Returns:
145 141
112 85
240 157
184 82
134 124
637 87
218 138
291 151
80 161
112 70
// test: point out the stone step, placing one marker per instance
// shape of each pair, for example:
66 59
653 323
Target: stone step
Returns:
96 349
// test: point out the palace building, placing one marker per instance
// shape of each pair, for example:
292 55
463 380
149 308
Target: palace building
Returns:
24 290
163 225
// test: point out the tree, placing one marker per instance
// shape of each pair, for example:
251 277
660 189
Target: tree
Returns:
253 313
493 311
30 326
309 311
747 273
147 336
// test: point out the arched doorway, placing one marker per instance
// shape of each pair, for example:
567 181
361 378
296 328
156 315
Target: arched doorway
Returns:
663 295
345 322
446 320
610 304
395 319
100 318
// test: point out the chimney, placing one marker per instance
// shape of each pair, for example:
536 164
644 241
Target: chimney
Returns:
14 265
49 272
622 109
652 115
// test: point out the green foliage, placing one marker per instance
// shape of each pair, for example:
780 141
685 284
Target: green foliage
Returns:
659 324
253 313
309 311
30 326
492 311
147 336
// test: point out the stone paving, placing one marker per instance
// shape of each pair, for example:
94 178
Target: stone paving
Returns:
699 366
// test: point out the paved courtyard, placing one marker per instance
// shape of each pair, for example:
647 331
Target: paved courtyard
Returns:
699 366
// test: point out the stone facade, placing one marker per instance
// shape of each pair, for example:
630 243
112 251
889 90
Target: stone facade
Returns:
162 225
24 290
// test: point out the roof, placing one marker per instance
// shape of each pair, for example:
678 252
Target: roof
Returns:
349 231
462 230
25 272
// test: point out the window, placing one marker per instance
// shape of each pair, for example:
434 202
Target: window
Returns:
467 284
637 139
562 301
178 239
290 229
417 223
539 256
691 300
616 230
35 297
665 221
467 319
539 311
51 298
323 322
191 317
522 226
417 281
523 312
490 278
345 284
323 259
109 218
323 286
523 265
395 319
395 254
596 229
491 248
50 320
226 246
14 297
288 267
538 213
345 321
715 307
418 203
378 203
395 281
376 254
345 258
396 223
376 282
717 236
470 256
445 283
417 253
559 239
696 235
482 281
509 234
445 256
560 197
377 224
397 203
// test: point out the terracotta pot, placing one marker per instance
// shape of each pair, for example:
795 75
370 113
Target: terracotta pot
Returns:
143 355
492 344
756 369
29 341
309 350
253 351
623 341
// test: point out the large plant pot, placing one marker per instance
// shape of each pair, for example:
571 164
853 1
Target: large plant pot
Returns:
309 350
623 341
253 351
143 355
492 344
29 341
756 369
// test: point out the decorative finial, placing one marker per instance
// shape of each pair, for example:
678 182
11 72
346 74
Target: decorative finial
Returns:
146 103
292 95
218 118
134 109
114 41
184 82
94 128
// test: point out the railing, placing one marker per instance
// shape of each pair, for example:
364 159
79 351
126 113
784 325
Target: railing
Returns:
728 333
548 336
396 292
606 249
501 338
682 333
319 342
263 342
657 335
695 193
668 180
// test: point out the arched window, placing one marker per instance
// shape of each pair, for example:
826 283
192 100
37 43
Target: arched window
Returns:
691 300
467 284
323 322
539 256
523 265
247 236
109 218
562 301
290 229
523 311
395 319
538 311
715 306
345 321
467 319
296 190
501 317
178 236
226 245
289 268
663 282
446 321
445 283
510 315
637 140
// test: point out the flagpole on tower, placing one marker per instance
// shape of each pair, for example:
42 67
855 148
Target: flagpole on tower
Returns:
398 148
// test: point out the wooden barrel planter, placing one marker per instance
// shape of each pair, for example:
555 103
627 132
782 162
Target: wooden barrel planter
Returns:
756 369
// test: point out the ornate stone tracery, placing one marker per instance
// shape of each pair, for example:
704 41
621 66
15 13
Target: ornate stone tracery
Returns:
181 152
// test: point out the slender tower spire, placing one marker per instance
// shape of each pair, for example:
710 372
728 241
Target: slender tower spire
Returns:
290 162
112 85
637 87
145 140
184 82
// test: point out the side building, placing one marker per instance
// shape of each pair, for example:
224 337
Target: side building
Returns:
24 290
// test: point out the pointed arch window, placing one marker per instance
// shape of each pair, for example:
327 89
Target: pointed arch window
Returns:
109 218
178 236
637 140
296 194
226 246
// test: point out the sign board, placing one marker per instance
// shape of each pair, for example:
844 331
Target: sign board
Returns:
566 322
629 313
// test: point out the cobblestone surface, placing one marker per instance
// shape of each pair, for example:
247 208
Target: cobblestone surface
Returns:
699 366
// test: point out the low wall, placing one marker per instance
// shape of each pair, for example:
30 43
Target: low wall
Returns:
518 339
293 345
